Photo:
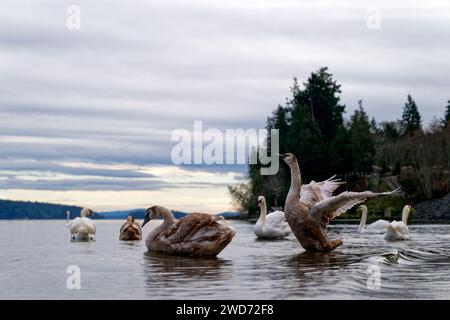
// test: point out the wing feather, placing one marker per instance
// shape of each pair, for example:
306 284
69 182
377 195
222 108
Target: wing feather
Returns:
315 192
335 206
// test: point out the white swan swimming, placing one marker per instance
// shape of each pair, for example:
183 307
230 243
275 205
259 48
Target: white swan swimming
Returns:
378 227
398 230
67 218
271 226
83 228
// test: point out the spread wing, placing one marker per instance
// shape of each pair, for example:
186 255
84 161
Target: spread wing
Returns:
335 206
315 192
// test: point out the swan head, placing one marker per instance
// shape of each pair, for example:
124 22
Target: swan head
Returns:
261 201
406 212
289 158
87 213
151 213
363 208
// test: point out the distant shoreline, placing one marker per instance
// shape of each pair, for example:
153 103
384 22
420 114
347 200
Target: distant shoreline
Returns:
253 221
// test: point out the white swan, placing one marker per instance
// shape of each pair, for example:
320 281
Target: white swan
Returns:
271 226
67 218
399 230
378 227
83 228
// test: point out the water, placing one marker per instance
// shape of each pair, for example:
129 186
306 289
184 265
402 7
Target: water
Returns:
35 256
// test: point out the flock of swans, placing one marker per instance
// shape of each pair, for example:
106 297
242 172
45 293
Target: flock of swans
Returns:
308 210
395 230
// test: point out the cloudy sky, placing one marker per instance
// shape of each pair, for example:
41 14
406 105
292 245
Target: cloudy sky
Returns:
86 115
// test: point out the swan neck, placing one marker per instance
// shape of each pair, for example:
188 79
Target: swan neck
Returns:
296 181
362 225
263 214
157 231
405 215
167 215
168 220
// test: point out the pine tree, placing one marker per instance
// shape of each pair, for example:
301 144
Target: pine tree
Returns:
374 126
390 130
362 140
306 141
447 113
279 120
411 119
307 125
340 151
320 99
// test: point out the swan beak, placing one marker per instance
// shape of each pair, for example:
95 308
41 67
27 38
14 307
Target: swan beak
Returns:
282 155
146 220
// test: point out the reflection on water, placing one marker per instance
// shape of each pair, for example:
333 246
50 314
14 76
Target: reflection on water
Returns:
171 268
36 254
167 275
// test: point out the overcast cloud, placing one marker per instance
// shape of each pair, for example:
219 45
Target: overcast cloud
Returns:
113 91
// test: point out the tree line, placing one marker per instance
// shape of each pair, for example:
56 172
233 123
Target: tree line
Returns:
37 210
359 150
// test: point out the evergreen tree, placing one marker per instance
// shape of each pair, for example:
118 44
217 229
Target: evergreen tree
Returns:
320 99
374 126
275 188
341 152
307 125
306 141
447 113
411 119
390 130
279 120
362 140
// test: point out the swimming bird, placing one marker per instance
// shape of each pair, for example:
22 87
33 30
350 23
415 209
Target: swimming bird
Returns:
398 230
271 226
308 223
83 228
197 234
67 218
130 230
378 227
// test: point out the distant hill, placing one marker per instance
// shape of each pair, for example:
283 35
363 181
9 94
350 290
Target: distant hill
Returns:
137 213
37 210
230 215
140 213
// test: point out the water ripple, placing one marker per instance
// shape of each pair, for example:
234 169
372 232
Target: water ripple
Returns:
34 264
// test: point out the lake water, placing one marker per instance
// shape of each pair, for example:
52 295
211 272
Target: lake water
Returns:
35 256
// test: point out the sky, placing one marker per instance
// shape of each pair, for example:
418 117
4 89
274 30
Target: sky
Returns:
87 114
